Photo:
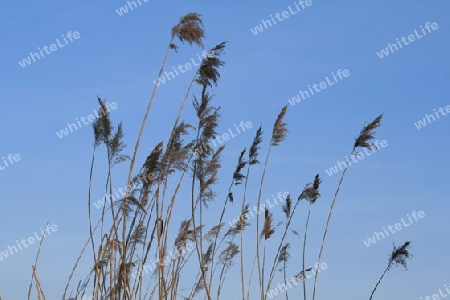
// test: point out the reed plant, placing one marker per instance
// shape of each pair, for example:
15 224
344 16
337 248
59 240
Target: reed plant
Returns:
132 230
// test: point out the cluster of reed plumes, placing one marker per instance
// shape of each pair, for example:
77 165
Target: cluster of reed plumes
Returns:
139 227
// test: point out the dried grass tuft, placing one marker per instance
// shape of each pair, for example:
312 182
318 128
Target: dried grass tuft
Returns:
367 133
189 29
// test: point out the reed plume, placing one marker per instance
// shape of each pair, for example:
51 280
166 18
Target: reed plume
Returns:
398 257
189 29
310 193
279 134
252 160
145 211
363 141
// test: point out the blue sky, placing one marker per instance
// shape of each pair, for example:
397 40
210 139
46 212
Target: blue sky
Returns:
118 57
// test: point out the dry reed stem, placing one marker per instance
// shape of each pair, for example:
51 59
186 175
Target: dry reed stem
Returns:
78 260
362 140
398 256
38 285
33 276
328 221
278 135
188 29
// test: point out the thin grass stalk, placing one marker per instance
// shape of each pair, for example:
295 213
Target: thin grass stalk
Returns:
241 236
170 140
152 292
193 208
138 278
132 227
328 221
169 209
111 264
398 256
161 254
194 38
97 275
379 280
172 201
192 292
197 246
272 272
242 266
142 217
97 285
285 279
147 251
176 270
200 246
35 263
236 180
304 250
193 34
217 235
221 281
278 135
97 281
111 271
141 131
40 292
91 235
77 261
224 269
203 79
252 159
263 264
250 277
362 140
181 262
261 287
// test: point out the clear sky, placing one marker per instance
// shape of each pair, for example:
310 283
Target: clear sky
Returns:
118 58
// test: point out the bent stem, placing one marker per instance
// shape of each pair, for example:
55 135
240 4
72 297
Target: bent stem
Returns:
304 249
328 220
379 280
